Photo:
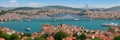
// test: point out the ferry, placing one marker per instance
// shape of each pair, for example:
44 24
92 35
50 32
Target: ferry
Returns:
21 20
110 24
28 20
76 19
28 29
91 19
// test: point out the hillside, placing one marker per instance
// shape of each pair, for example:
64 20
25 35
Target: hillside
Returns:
24 8
116 8
63 7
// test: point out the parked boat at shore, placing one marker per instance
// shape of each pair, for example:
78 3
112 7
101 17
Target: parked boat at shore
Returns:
109 24
1 22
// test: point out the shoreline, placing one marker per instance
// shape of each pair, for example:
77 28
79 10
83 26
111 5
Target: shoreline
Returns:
68 29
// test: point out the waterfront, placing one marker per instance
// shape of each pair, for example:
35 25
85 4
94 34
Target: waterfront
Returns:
36 24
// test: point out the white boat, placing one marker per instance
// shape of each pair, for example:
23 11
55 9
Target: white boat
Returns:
91 19
28 20
1 22
21 20
110 24
76 19
28 29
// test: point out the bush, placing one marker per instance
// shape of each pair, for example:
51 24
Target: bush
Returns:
14 37
117 38
60 35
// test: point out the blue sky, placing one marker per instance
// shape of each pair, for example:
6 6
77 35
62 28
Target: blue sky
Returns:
70 3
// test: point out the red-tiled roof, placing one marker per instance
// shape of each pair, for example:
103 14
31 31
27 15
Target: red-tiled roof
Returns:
2 39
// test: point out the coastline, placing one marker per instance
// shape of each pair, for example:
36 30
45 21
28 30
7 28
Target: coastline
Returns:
70 30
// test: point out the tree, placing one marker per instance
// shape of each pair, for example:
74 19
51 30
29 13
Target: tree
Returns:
4 35
26 34
83 36
29 38
60 35
14 37
116 38
39 38
80 37
96 38
45 36
3 12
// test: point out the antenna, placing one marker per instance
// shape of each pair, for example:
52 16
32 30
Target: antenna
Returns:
53 17
87 6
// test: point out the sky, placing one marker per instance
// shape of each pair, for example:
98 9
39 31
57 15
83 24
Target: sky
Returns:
69 3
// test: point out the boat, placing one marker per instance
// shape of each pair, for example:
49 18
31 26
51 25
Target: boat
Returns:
21 20
1 22
109 24
28 29
76 19
28 20
91 19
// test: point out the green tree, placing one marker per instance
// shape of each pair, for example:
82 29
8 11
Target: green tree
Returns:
45 36
83 36
80 37
116 38
26 34
3 12
4 35
96 38
14 37
60 35
39 38
29 38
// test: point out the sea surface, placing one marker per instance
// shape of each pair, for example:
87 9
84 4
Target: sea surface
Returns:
36 24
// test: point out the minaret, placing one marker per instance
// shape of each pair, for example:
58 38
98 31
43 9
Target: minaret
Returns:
87 7
54 18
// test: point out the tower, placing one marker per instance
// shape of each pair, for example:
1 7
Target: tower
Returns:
87 6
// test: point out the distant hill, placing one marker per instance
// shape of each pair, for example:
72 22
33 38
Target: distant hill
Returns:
57 7
46 8
116 8
24 8
97 9
5 8
63 7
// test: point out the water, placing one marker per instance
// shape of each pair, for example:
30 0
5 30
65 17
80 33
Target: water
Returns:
36 24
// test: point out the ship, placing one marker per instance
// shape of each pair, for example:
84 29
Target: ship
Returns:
28 29
76 19
28 20
110 24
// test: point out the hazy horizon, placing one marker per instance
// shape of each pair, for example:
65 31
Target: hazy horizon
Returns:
68 3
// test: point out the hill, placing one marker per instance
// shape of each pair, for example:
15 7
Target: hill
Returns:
64 7
116 8
24 8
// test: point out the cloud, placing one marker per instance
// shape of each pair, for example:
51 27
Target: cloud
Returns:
35 4
13 1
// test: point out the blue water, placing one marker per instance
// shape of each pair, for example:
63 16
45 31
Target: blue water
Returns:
36 24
